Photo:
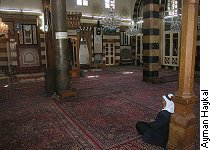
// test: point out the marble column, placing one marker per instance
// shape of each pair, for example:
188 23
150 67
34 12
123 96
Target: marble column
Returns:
151 40
183 121
60 44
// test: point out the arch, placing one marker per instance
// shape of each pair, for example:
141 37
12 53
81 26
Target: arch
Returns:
137 10
84 54
29 57
87 36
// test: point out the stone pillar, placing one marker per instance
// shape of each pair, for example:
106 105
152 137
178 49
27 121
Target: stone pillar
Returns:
60 44
183 121
162 28
151 40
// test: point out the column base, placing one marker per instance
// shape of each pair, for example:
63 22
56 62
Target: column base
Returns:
182 129
172 146
150 79
150 76
67 93
181 137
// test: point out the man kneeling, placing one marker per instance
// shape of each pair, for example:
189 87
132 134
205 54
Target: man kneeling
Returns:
156 132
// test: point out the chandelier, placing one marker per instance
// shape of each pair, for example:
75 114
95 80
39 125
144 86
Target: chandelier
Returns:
135 27
3 27
173 16
132 29
111 20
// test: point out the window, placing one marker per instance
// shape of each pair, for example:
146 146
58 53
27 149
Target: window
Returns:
28 34
171 48
172 7
124 39
82 2
110 3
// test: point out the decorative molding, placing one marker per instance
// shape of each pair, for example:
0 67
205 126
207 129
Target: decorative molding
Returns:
18 16
74 20
125 47
98 44
98 59
72 32
124 12
96 9
29 57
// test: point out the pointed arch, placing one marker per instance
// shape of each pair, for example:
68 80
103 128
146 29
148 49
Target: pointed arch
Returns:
137 9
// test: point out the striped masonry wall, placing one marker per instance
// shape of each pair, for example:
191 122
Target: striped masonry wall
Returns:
117 48
43 50
14 55
14 49
151 40
3 55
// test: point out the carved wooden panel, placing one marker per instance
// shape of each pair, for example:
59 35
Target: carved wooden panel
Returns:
28 57
74 20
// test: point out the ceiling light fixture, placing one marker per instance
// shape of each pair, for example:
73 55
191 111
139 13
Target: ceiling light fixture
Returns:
111 20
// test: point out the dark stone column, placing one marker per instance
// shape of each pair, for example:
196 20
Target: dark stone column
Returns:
60 44
151 40
183 121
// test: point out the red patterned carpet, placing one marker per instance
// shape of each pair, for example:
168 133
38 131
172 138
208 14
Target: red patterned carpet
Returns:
102 116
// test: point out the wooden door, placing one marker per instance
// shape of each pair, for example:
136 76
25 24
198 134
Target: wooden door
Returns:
109 53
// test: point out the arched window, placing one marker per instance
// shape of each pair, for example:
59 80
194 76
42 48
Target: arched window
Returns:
172 7
82 2
110 3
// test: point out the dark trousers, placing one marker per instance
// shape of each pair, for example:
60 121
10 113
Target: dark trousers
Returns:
142 127
148 135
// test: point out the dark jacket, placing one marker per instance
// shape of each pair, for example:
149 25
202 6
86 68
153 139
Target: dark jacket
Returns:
159 129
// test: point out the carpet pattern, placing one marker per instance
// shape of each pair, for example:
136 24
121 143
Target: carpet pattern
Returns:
107 119
109 102
29 120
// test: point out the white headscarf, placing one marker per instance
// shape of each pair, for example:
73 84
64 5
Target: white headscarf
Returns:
169 103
